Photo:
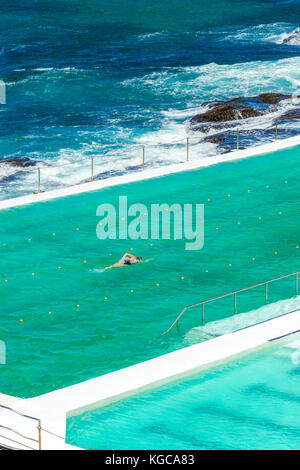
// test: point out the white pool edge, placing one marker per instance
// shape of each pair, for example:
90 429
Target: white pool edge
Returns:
150 173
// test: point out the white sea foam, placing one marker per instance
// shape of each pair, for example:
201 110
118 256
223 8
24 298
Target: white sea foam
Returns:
243 320
43 69
156 34
218 81
292 37
260 33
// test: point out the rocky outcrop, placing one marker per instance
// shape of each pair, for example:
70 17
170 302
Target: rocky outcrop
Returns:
289 115
218 122
293 39
23 162
272 98
226 112
215 139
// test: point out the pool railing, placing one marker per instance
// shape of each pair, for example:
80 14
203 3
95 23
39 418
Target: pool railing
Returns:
186 142
234 294
37 441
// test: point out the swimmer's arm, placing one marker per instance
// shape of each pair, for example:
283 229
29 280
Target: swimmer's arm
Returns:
129 256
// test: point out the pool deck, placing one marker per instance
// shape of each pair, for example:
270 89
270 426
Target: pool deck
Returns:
151 173
55 407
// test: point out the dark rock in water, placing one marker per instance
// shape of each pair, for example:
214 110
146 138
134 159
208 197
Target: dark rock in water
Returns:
293 38
19 162
220 120
272 98
212 104
292 114
216 139
223 113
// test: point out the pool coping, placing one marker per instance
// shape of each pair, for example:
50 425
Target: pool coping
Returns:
150 173
55 407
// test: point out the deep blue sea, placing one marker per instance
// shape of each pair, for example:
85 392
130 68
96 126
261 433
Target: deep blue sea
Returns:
86 77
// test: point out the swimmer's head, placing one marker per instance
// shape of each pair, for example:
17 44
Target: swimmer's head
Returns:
139 258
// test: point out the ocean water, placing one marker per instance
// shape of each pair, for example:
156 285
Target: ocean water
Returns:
251 403
106 77
64 319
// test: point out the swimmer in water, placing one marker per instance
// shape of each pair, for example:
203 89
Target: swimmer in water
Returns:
126 260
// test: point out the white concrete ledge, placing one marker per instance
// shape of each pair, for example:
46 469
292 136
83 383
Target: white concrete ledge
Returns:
151 173
53 408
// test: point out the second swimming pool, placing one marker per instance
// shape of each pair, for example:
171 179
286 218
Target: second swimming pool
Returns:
249 403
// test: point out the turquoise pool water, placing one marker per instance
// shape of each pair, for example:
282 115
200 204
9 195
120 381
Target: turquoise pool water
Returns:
87 335
249 403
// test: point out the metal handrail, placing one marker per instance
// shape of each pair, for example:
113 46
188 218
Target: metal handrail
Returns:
16 442
186 142
234 293
39 427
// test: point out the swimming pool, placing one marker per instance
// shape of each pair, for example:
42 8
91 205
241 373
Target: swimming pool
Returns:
63 321
249 403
